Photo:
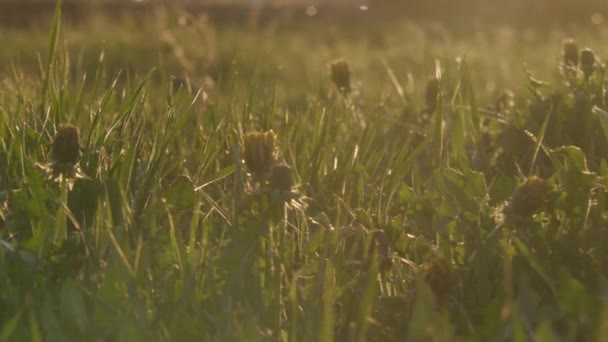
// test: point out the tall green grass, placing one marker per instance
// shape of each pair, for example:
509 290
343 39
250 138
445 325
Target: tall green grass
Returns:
399 225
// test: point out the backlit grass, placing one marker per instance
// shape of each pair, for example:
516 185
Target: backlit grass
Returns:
302 183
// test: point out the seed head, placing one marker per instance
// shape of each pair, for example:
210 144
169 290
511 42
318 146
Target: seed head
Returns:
587 62
529 197
65 157
259 150
570 52
340 75
66 146
281 177
431 94
438 276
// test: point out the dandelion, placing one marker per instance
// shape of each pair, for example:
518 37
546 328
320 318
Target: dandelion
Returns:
65 156
340 75
431 94
259 151
66 146
587 59
570 52
281 188
529 197
281 177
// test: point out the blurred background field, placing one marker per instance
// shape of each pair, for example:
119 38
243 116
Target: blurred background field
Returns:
201 39
539 13
436 170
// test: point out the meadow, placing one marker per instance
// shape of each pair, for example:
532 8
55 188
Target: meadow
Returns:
177 179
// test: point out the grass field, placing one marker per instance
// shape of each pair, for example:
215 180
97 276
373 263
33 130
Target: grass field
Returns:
419 183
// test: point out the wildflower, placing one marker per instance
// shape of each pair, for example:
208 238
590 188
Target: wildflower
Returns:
431 94
570 52
282 189
529 197
587 59
340 75
259 150
438 276
65 156
66 146
281 177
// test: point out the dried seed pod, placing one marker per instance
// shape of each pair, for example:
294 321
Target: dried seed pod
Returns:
570 52
259 148
431 94
66 145
529 197
281 177
340 75
587 59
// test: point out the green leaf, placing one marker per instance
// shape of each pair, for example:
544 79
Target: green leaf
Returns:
72 305
423 311
9 327
180 193
406 194
50 324
501 189
53 42
544 333
574 157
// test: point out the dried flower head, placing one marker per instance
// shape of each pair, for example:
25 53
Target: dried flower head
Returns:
259 149
281 177
529 197
438 276
431 94
65 157
587 62
340 75
66 145
570 52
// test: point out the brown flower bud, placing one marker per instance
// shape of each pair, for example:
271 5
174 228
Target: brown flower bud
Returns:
259 150
281 177
340 75
438 276
529 197
570 52
66 146
431 94
587 62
